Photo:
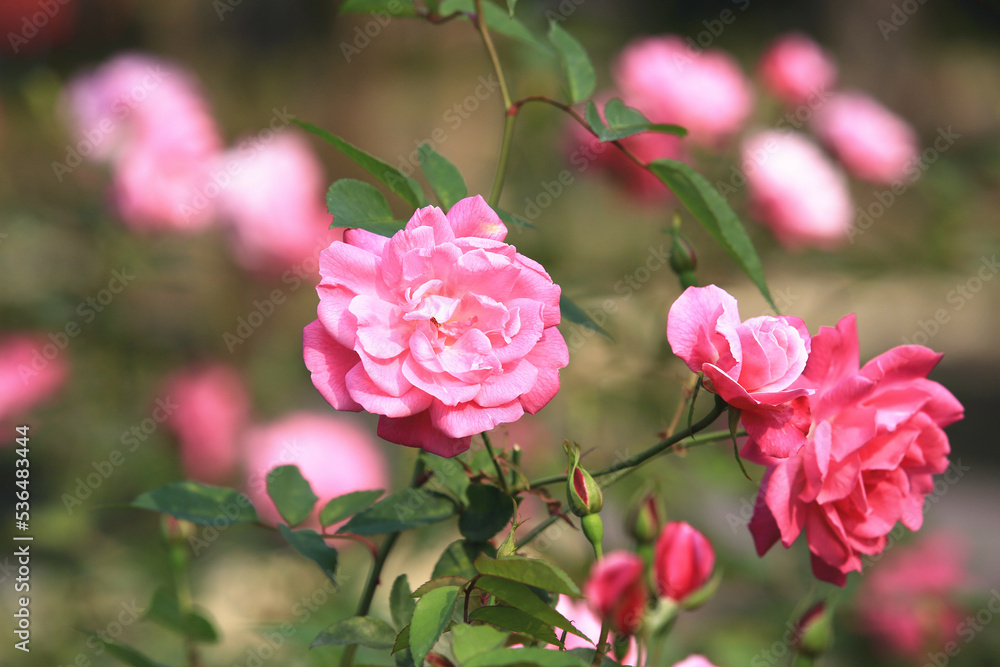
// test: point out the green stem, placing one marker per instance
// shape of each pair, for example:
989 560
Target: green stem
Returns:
182 585
600 652
505 146
496 463
508 123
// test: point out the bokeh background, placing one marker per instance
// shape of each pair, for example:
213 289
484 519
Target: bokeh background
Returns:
95 562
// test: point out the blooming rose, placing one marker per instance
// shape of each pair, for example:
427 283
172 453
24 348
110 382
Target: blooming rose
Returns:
683 560
872 142
794 68
752 365
444 329
875 440
616 591
706 92
794 189
28 375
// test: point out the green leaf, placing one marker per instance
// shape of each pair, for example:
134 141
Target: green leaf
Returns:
497 20
402 185
400 603
526 657
520 596
396 8
531 571
291 494
430 618
165 610
310 544
587 655
127 655
198 503
360 205
401 510
349 504
445 178
577 315
457 559
489 510
449 476
510 7
714 214
365 630
510 219
402 642
439 582
516 620
468 641
579 72
622 121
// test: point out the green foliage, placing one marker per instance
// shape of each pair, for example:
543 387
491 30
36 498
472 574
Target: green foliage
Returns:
579 72
520 596
511 219
530 571
310 544
431 617
400 602
528 656
468 641
577 315
497 20
349 504
199 503
165 610
444 177
402 510
399 8
360 205
517 621
364 630
457 560
128 655
489 510
622 121
439 582
448 475
291 494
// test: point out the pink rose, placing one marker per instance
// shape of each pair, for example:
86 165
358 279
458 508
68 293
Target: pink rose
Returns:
332 452
28 373
794 189
580 614
706 91
616 591
795 68
694 661
752 365
444 329
683 561
875 440
164 190
207 408
873 143
274 203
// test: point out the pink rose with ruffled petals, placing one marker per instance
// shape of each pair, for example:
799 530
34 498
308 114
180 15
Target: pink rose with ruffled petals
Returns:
871 142
444 330
875 441
795 68
752 365
28 373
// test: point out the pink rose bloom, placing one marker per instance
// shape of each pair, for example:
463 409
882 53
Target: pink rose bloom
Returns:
907 602
207 408
795 68
794 189
616 591
875 441
872 143
444 330
694 661
164 190
28 373
683 560
670 82
752 365
580 614
274 203
333 453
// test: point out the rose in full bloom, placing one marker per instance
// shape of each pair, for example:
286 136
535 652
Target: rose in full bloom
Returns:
752 365
616 591
28 374
875 441
872 143
333 453
795 68
683 560
444 330
705 92
207 407
794 189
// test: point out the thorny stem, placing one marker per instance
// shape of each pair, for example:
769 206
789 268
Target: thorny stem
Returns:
600 651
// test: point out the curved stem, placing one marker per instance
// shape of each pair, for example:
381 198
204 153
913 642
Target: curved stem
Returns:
505 145
508 123
496 464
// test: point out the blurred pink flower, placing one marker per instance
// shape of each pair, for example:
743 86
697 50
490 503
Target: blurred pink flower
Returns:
444 330
616 591
683 561
208 408
795 68
32 369
694 661
579 612
872 143
670 82
796 191
335 454
273 200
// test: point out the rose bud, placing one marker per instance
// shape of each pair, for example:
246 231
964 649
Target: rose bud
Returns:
814 631
616 591
683 562
644 519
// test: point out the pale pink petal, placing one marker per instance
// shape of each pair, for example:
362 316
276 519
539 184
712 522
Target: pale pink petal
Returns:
518 378
692 325
473 217
370 396
468 419
329 362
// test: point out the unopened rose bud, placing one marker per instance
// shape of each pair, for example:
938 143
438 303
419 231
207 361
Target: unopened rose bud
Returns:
683 562
644 519
682 256
616 591
814 631
584 494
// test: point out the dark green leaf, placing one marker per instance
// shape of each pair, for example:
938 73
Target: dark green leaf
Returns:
489 510
310 544
449 476
360 205
349 504
531 571
516 620
200 504
457 559
439 582
401 510
526 657
510 219
395 8
498 21
400 603
520 596
402 185
622 121
402 642
445 178
128 655
577 315
430 618
579 73
469 641
587 655
165 610
291 494
712 211
365 630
